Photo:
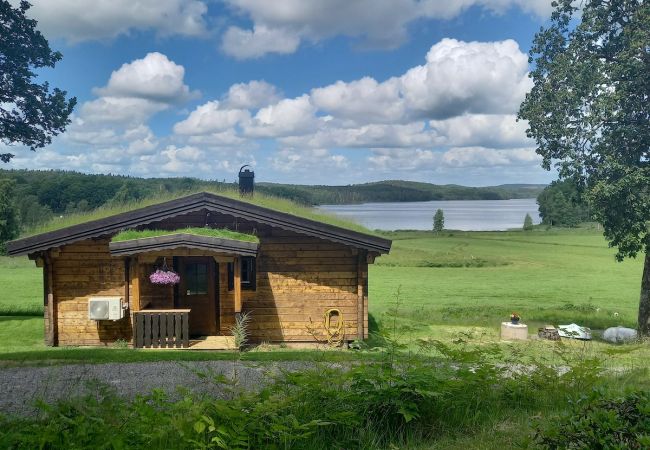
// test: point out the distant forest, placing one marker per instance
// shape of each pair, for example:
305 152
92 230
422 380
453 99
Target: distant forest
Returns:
39 195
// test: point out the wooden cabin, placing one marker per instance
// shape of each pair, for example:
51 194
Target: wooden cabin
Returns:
296 278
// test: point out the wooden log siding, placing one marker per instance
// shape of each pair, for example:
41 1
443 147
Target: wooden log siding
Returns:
298 279
161 328
80 271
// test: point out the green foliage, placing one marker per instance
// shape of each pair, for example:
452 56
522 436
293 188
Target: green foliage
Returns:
438 221
396 402
209 232
9 227
29 114
394 191
588 112
528 223
31 212
600 421
561 205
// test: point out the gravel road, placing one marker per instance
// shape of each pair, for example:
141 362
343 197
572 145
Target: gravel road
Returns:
21 387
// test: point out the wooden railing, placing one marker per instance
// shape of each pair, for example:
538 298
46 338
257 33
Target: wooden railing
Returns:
161 328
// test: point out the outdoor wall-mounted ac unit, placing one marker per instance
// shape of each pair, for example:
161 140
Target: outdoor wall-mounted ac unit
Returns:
105 308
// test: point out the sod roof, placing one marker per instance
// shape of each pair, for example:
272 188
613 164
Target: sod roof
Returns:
286 215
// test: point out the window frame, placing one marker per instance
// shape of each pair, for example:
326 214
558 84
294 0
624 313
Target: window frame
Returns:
249 285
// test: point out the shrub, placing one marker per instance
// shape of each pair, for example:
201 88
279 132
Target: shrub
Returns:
601 422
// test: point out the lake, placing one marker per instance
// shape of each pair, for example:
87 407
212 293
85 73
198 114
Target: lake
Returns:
467 215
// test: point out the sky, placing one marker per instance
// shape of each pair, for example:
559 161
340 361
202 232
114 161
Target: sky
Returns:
305 91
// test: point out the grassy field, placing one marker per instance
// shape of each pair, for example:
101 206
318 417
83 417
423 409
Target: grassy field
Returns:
456 285
454 289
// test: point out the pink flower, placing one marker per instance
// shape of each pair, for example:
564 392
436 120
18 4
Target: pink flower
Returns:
164 277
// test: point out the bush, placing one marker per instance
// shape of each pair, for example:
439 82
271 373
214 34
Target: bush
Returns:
601 422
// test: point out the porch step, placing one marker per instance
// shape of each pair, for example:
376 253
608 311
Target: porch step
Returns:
213 343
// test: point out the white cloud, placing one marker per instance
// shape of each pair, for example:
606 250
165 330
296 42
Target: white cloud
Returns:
319 160
116 110
467 77
261 40
279 26
363 100
210 118
153 77
251 95
364 136
453 158
287 117
491 130
80 20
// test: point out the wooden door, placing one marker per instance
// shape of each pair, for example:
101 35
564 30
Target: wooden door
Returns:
198 291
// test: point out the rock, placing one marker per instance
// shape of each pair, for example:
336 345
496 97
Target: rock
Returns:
619 335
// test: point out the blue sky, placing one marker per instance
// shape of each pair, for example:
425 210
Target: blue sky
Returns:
316 92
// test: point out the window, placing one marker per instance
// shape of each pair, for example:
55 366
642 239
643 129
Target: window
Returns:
196 278
248 276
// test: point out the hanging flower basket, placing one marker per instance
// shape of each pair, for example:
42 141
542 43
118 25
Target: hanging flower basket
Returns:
164 276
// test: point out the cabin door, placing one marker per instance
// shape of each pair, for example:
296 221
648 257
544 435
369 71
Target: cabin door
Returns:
198 292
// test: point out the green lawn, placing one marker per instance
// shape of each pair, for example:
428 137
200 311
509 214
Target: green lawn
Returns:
454 285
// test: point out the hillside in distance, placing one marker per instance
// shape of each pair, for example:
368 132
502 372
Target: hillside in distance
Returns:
397 191
65 191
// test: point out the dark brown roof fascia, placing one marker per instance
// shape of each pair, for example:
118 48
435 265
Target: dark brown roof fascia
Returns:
191 203
183 240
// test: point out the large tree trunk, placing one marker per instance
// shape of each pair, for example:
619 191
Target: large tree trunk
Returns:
644 301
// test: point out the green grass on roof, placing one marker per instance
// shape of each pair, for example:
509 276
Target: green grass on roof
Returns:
263 200
223 233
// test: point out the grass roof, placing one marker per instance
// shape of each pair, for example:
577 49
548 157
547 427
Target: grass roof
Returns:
263 200
222 233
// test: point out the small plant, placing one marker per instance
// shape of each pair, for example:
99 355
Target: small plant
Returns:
121 343
515 318
240 329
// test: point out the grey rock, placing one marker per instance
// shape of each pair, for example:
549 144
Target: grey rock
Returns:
619 335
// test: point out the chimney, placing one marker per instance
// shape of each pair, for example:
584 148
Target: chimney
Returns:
246 182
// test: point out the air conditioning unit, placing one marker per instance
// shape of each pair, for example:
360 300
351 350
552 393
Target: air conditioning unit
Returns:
105 308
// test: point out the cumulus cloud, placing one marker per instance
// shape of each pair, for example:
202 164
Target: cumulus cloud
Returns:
452 158
117 110
461 77
211 118
280 26
457 78
79 20
295 116
319 160
245 44
492 130
252 95
456 109
153 77
363 100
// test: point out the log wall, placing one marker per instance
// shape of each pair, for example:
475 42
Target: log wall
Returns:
80 271
298 279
